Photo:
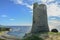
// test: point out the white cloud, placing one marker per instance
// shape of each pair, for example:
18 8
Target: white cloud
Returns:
22 3
50 0
53 10
44 1
54 24
3 15
11 19
29 6
18 2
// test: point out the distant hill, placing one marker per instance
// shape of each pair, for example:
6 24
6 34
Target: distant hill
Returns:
2 26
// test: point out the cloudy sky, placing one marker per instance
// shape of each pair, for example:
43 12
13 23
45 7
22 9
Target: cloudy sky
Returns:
19 12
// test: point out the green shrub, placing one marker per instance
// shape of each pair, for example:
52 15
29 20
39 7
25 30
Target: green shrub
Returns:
33 37
2 39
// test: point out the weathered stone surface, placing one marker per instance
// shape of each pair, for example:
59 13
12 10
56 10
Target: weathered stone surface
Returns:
40 23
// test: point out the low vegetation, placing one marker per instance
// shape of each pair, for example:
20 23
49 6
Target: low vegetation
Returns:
33 37
4 29
2 39
44 36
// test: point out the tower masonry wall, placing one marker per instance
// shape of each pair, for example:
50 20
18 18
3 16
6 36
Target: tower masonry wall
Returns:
40 23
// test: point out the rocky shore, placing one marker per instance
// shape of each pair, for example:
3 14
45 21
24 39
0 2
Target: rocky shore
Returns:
5 36
8 37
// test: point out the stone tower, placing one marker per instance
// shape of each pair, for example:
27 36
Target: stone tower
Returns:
40 23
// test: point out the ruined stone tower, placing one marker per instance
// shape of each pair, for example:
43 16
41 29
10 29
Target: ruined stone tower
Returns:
40 23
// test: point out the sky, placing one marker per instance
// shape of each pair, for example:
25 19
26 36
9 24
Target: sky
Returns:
19 12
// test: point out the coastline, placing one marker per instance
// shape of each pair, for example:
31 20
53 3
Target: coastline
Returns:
4 35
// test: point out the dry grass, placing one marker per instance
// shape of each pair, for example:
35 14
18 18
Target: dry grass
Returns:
50 36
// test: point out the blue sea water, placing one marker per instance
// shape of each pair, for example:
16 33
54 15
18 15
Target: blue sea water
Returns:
19 31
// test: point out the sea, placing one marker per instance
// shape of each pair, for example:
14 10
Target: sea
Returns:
19 31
